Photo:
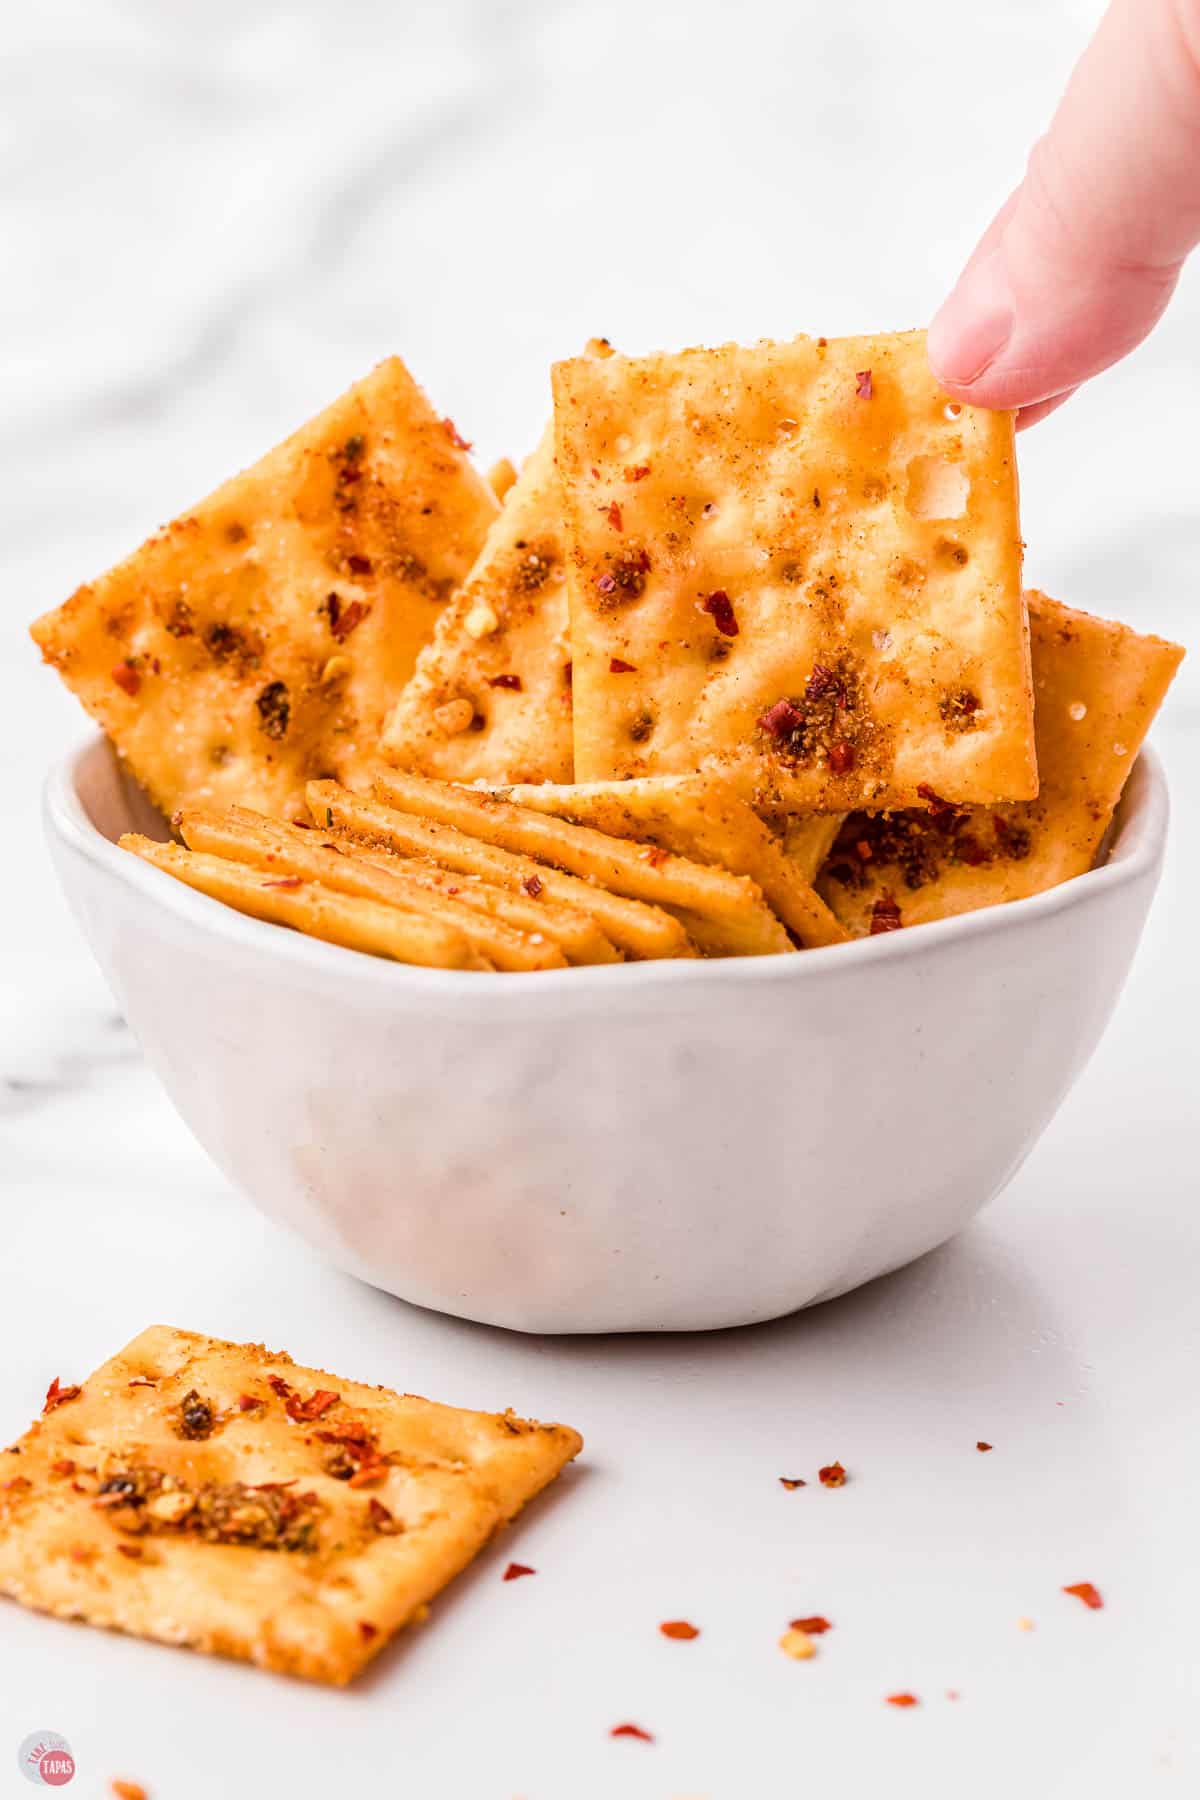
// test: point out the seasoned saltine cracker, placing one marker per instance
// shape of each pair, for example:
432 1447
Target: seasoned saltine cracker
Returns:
511 930
724 914
697 818
490 698
220 1497
798 563
1098 686
261 639
641 931
315 910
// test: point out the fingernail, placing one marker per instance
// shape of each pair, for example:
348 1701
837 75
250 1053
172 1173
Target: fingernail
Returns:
973 327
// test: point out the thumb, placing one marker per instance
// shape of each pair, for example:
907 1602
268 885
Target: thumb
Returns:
1080 262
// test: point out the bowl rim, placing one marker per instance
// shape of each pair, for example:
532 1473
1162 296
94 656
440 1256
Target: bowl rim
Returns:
1136 844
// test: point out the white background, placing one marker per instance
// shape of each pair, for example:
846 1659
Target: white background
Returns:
214 217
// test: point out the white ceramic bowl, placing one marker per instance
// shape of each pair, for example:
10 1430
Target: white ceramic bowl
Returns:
660 1146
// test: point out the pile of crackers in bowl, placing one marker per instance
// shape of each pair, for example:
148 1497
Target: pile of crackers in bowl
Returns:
739 664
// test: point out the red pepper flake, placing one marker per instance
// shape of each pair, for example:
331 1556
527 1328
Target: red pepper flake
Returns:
719 607
506 681
606 583
381 1520
631 1731
128 1790
133 1551
819 682
64 1466
1087 1592
781 720
841 757
791 1482
903 1700
885 914
679 1628
247 1402
58 1396
127 678
617 667
862 384
367 1630
614 516
814 1627
359 565
372 1468
940 811
532 885
284 881
318 1402
141 1380
343 620
18 1483
982 1446
455 435
637 471
832 1475
514 1571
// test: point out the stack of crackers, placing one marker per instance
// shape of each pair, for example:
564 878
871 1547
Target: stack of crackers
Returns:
739 664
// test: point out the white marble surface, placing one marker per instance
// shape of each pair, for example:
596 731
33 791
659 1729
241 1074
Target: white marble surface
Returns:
215 217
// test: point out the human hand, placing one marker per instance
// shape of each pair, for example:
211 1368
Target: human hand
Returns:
1078 265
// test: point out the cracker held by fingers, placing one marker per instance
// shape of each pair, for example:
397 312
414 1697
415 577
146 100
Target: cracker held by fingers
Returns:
313 909
263 637
1098 686
219 1497
724 914
804 579
640 931
699 818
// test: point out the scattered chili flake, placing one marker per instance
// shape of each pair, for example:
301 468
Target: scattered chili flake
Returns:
127 678
832 1475
862 384
816 1626
791 1482
56 1395
819 682
247 1402
64 1466
679 1628
940 811
637 471
614 515
133 1551
318 1402
797 1644
384 1522
841 757
781 720
1087 1592
885 914
367 1630
344 620
719 607
514 1571
285 881
141 1380
631 1731
506 681
532 885
18 1483
455 435
359 565
606 582
617 667
903 1700
982 1446
128 1790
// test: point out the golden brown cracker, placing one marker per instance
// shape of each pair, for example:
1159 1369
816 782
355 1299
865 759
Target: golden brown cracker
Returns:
491 694
1098 686
797 563
697 818
315 910
642 932
268 844
724 914
220 1497
261 639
